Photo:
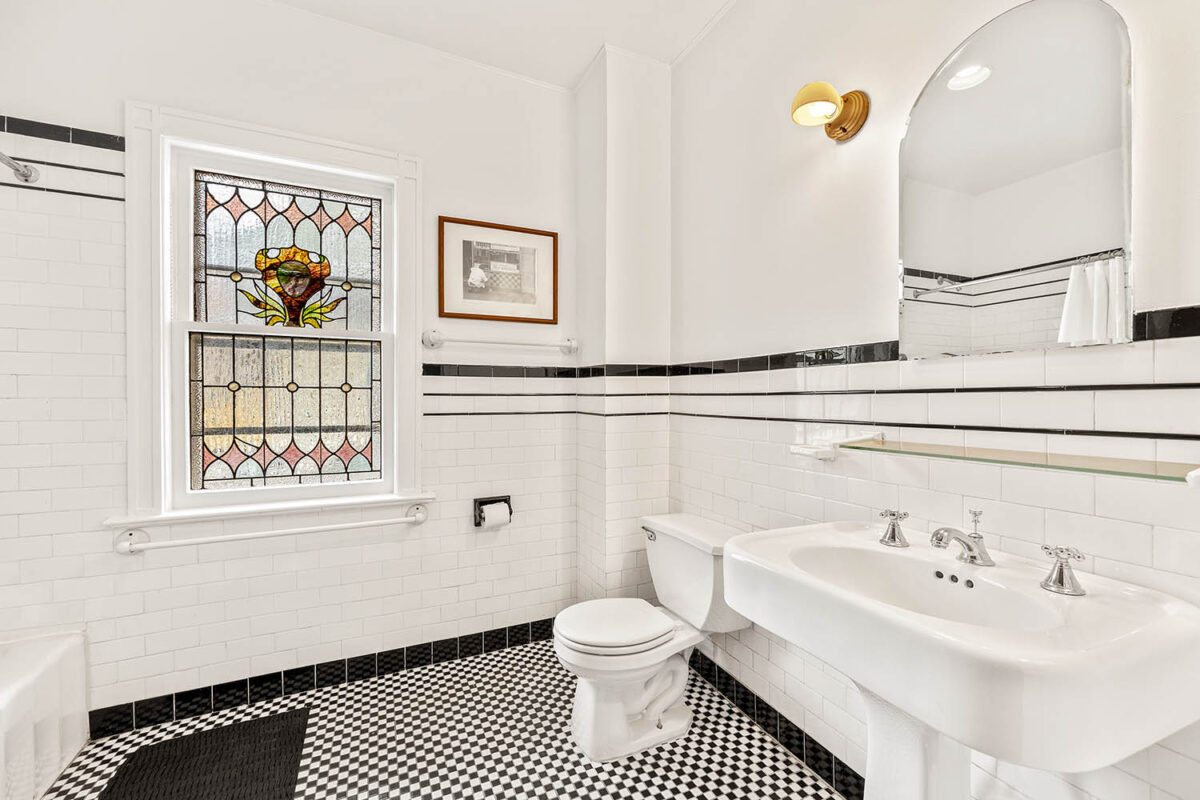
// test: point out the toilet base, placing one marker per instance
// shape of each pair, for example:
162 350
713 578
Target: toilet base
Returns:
619 713
643 733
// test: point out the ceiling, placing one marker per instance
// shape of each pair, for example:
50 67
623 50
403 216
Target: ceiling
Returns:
1057 94
549 40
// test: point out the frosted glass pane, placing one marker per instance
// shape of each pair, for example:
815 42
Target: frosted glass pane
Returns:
285 404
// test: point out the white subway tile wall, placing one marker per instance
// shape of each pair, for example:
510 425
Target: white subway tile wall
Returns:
175 619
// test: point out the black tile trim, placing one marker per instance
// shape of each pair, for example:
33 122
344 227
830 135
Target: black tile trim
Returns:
1166 323
29 188
25 160
844 354
948 427
1076 387
259 688
986 305
832 770
62 133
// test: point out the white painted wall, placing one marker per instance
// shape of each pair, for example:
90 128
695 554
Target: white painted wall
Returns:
494 146
1024 222
638 209
772 222
591 200
1075 209
935 228
623 164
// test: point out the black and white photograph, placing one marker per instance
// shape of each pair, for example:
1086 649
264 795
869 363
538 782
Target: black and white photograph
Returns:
493 271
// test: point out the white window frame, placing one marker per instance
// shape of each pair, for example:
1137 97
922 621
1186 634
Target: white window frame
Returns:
163 147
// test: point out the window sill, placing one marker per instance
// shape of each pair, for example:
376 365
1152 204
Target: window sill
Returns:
266 509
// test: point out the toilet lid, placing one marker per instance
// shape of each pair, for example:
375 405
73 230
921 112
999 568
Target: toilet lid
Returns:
623 650
617 622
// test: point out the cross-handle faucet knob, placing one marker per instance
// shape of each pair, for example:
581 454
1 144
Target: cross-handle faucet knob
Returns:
1061 579
893 536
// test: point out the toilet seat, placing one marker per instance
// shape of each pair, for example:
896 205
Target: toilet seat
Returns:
613 626
621 650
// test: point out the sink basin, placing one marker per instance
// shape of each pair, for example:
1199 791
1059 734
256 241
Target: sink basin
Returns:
953 656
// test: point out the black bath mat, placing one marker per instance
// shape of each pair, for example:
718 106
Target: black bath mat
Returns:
253 760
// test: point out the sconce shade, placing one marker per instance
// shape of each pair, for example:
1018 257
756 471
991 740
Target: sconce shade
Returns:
843 116
817 103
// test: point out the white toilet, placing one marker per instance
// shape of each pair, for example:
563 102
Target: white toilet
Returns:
631 657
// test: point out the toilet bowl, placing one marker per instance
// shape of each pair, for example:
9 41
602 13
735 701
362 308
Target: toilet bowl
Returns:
630 657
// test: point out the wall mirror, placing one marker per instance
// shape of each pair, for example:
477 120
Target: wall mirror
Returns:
1014 188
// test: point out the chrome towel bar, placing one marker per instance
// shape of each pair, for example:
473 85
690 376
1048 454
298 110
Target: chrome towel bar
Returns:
435 339
136 540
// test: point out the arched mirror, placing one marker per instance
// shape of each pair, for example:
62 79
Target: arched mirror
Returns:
1014 188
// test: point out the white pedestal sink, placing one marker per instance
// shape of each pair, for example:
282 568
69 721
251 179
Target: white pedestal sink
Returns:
979 658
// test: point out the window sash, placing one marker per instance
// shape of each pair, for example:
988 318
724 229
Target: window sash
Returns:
181 325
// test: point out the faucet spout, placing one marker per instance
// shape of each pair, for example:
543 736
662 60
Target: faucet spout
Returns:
974 551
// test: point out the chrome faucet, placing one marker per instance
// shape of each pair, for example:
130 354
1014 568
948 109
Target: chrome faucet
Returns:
974 551
893 536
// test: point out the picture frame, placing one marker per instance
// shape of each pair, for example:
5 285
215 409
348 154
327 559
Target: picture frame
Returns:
491 271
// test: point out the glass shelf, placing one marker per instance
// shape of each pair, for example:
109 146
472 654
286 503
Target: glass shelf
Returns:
1129 467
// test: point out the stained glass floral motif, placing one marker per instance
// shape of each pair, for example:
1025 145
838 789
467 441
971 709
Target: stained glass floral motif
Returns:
297 279
281 410
245 226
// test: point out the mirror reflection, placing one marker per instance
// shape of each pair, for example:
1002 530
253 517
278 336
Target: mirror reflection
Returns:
1014 177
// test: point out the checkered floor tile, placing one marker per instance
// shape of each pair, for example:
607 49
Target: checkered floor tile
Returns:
490 726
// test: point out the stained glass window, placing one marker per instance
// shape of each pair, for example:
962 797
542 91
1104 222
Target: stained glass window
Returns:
279 410
267 253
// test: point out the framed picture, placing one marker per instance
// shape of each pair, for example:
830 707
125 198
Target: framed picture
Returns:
501 272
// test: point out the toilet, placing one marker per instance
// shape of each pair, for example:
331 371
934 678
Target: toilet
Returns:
630 657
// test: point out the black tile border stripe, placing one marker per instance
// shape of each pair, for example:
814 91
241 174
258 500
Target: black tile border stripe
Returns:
27 187
25 160
62 133
1078 387
1165 323
835 772
845 354
948 427
143 713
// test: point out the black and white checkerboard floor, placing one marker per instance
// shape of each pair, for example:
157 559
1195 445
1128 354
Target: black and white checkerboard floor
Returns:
489 726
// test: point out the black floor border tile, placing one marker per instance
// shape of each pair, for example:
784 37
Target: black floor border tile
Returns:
790 736
269 686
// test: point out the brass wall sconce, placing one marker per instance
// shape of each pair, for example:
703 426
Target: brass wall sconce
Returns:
843 115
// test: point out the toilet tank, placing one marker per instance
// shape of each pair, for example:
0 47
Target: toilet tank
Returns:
685 555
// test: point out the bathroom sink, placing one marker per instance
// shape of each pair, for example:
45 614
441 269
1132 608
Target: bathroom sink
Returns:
951 655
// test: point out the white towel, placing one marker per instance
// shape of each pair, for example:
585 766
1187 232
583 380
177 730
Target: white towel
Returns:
1097 273
1076 326
1096 308
1118 301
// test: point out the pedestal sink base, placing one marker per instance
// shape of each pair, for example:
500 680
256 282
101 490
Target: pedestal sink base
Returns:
908 760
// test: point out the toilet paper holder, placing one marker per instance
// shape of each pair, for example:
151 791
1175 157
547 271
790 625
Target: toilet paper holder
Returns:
480 502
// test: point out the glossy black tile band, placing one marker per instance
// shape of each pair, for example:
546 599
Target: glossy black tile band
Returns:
1187 437
29 188
75 167
848 783
181 705
62 133
1166 323
868 353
